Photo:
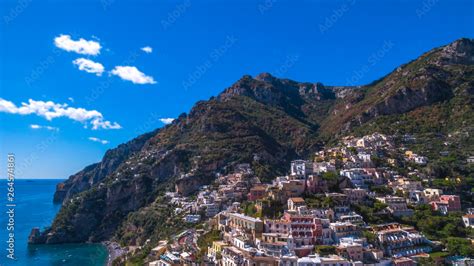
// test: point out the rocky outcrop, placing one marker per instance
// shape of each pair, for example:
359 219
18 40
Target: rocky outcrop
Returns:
435 77
35 236
406 99
458 52
268 89
188 184
94 173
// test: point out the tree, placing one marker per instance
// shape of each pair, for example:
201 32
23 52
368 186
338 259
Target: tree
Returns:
382 190
378 162
460 246
272 209
250 209
330 176
436 226
371 237
206 240
379 206
399 193
353 150
323 250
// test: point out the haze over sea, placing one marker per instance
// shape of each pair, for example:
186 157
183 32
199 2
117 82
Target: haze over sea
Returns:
35 208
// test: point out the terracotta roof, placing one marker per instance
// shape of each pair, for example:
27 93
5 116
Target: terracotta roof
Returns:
258 187
402 259
297 200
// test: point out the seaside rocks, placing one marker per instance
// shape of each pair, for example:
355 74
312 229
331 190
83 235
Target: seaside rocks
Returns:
35 236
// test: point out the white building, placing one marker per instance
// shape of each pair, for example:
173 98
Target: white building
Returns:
365 157
323 167
468 220
315 260
301 168
211 209
357 176
192 218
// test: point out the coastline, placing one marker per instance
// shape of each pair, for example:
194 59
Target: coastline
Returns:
114 250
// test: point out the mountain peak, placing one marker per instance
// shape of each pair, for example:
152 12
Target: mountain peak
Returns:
248 86
463 41
460 51
265 76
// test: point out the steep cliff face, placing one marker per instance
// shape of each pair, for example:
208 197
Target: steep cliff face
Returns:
94 173
435 77
93 215
264 121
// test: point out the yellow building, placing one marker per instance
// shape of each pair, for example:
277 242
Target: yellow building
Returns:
216 249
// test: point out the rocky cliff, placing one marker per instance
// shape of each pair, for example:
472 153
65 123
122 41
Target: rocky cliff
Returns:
435 77
94 173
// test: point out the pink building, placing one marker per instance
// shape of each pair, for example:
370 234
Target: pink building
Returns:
447 203
305 231
257 192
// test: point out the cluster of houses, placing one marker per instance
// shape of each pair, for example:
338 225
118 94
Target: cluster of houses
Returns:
326 235
294 238
413 157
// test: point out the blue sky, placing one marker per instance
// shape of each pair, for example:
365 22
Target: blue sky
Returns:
198 49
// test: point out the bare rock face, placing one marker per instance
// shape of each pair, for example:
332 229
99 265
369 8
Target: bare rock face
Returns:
432 78
35 236
94 173
187 185
406 99
261 89
268 89
458 52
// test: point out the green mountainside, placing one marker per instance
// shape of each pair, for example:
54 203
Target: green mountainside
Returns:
265 121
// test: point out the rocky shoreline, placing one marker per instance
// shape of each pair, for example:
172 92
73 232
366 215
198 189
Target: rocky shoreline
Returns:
114 251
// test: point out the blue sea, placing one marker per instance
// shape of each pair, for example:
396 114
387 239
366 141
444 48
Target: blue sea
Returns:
35 208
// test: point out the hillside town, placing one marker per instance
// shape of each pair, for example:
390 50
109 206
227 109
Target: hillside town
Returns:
348 205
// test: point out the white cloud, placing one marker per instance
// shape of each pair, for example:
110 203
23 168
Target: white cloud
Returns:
34 126
81 46
89 66
99 140
50 110
166 120
71 99
100 123
147 49
132 74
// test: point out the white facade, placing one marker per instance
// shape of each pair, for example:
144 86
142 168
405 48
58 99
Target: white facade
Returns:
301 168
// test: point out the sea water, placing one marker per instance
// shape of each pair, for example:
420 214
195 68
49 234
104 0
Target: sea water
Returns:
34 207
